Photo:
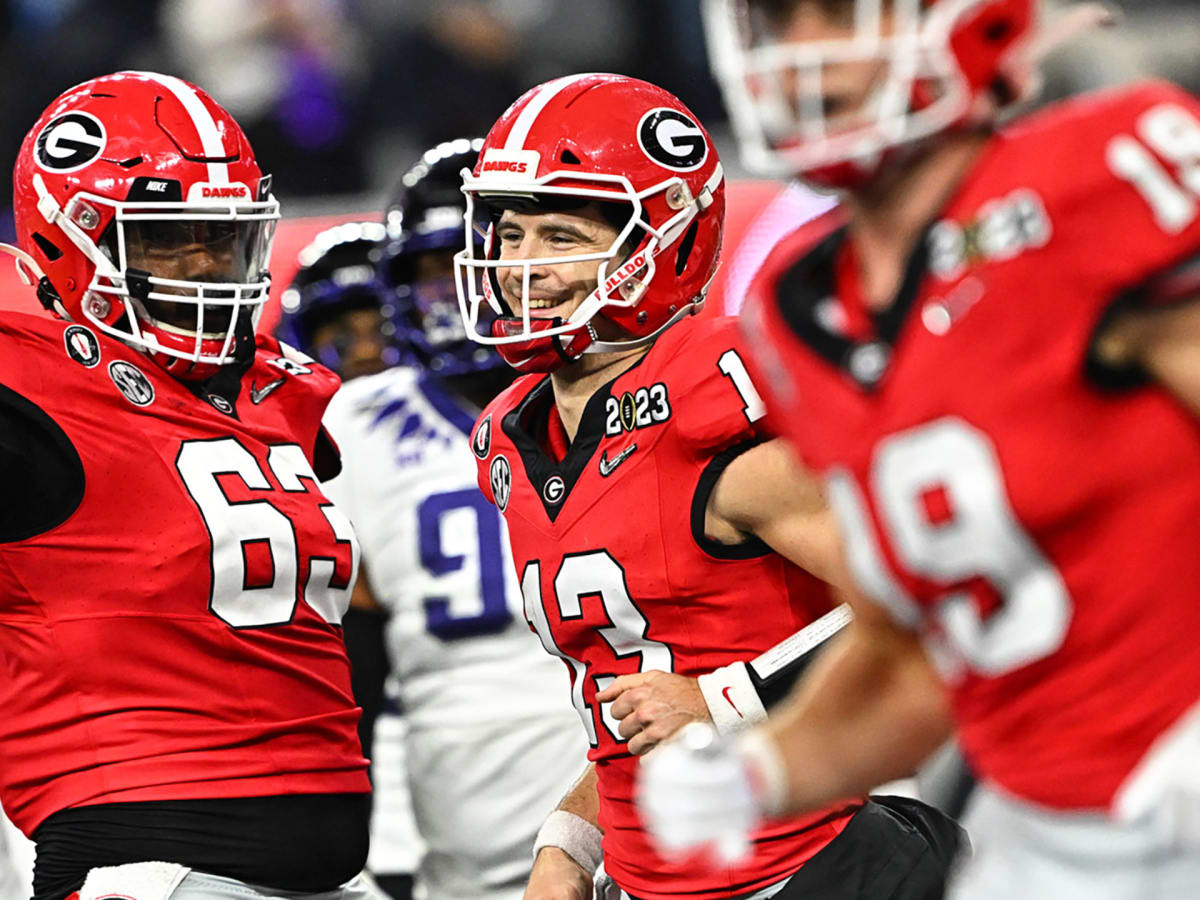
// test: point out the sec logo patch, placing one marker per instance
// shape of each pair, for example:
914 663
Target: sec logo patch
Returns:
500 476
132 382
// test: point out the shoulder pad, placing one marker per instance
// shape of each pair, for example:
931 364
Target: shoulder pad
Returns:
713 402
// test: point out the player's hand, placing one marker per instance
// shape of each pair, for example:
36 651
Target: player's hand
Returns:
556 876
652 706
696 791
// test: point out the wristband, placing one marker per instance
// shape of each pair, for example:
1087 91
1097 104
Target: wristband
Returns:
732 701
574 836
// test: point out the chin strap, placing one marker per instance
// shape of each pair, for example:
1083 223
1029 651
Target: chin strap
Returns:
540 352
31 274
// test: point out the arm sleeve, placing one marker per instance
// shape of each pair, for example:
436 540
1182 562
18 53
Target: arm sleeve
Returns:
363 631
41 474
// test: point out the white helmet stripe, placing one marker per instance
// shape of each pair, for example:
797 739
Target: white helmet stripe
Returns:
533 109
206 127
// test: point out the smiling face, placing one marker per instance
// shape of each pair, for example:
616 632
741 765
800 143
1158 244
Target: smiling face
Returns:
555 290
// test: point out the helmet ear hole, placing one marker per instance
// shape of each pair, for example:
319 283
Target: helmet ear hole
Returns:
49 249
570 158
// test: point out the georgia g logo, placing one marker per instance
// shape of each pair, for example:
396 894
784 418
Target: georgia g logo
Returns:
69 142
500 475
672 140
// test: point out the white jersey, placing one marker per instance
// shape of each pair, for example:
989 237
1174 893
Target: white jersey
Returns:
492 741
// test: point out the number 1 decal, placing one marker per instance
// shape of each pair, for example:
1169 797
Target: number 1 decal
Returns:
734 369
1174 134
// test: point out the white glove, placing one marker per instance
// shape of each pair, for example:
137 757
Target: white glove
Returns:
701 789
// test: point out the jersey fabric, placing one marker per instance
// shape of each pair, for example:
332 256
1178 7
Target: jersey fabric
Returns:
995 487
172 632
618 576
491 738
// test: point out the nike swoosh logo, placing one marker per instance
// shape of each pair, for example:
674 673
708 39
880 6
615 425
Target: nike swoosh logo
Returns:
725 694
608 465
258 396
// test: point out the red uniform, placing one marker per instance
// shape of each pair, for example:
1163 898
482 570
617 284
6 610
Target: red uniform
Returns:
1034 514
618 576
172 631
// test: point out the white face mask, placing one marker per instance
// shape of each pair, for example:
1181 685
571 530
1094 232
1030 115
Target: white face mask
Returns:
776 91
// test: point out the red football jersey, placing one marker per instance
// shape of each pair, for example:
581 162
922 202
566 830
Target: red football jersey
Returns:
618 576
1000 490
177 636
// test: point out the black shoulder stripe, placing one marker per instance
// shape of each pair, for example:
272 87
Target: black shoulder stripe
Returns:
751 548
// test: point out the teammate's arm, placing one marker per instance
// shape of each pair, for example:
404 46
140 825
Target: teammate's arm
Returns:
867 712
568 849
1164 343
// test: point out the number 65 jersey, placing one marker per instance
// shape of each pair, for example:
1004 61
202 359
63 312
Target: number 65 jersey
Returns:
171 581
618 576
1035 514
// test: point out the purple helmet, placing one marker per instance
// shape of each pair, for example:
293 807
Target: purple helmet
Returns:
425 223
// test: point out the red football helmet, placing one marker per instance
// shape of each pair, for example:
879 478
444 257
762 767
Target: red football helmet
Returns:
603 138
936 59
140 209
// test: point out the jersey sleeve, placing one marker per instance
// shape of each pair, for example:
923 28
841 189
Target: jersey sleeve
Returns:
1120 175
715 403
1148 213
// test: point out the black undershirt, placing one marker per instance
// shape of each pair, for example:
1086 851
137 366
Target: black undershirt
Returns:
41 475
297 842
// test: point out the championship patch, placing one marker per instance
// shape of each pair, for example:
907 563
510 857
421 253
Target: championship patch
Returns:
637 409
82 345
482 443
500 476
131 382
69 142
672 140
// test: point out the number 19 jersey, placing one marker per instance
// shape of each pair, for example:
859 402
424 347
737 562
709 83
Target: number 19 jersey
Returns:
619 577
1033 513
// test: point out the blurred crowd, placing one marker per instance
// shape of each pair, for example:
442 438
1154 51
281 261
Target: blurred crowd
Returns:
334 92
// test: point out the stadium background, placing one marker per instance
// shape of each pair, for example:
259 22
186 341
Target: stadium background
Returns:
339 97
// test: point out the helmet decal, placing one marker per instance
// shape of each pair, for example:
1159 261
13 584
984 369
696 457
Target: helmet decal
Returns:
69 142
673 140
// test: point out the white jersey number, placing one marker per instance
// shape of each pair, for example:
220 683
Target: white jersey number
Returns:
239 529
1173 133
944 509
594 574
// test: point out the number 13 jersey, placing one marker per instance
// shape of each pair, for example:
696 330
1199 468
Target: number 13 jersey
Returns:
170 604
618 576
997 488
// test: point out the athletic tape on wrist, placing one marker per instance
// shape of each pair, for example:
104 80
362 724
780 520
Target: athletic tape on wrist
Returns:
767 771
732 701
574 836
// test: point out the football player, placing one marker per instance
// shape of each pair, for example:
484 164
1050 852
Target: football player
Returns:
477 725
334 311
991 358
645 508
178 720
